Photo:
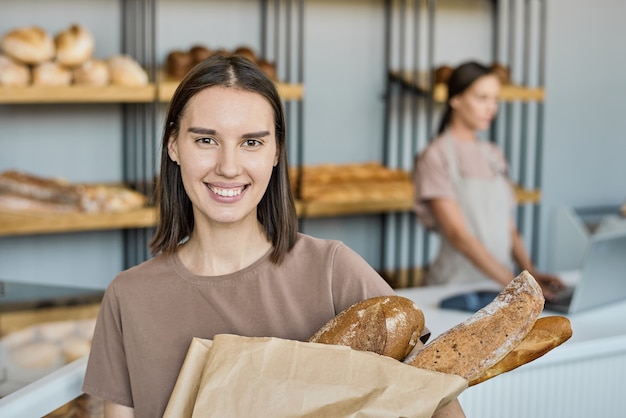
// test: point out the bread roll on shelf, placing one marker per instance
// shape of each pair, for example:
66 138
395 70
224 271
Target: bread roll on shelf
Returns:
51 74
74 45
13 73
29 45
93 72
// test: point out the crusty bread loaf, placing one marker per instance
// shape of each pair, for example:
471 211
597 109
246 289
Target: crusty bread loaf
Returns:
547 333
126 71
13 73
74 45
51 74
93 72
386 325
30 45
473 346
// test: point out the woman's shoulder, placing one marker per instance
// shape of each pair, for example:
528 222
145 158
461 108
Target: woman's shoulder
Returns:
148 269
310 244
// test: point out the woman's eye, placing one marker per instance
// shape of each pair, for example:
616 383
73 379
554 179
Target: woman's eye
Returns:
205 140
251 142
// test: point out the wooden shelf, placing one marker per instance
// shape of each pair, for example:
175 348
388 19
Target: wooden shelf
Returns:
77 94
287 91
112 94
508 93
31 223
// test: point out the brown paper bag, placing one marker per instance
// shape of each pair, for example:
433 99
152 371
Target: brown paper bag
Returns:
236 376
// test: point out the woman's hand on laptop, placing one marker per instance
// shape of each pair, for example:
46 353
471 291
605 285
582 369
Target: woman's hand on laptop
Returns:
550 284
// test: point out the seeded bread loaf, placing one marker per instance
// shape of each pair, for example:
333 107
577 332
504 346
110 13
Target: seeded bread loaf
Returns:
475 345
386 325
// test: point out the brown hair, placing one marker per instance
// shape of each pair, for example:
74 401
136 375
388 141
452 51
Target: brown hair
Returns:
460 80
276 210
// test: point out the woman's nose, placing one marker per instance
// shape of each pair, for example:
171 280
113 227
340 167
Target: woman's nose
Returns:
227 163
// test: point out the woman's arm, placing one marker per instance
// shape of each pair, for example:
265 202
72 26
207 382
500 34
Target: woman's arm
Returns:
452 225
114 410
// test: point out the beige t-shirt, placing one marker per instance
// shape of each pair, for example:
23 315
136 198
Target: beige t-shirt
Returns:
431 175
151 312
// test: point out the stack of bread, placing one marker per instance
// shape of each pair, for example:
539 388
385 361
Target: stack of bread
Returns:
504 335
31 56
21 191
358 182
179 62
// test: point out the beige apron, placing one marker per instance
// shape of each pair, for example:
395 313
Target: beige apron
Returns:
485 204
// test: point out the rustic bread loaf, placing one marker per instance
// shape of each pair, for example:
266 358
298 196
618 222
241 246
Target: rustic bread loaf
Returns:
29 45
74 45
475 345
386 325
547 333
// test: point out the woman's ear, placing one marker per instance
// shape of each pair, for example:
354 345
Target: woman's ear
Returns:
454 102
172 150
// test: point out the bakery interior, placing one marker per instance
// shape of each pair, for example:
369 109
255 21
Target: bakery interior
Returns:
359 83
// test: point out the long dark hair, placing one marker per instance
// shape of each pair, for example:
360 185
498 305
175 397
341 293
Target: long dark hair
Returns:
460 80
276 211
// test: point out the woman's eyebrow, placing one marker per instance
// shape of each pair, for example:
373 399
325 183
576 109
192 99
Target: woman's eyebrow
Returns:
259 134
203 131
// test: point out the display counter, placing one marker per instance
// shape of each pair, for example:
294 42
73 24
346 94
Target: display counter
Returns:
584 377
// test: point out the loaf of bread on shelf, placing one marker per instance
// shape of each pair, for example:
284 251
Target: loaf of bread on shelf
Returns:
178 63
386 325
477 344
126 71
502 72
29 45
548 333
93 72
51 74
109 198
40 188
13 73
199 53
74 45
23 191
442 74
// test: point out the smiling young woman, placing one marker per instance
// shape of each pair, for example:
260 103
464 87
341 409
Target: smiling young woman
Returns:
228 257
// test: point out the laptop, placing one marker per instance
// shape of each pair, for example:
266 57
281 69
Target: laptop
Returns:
602 277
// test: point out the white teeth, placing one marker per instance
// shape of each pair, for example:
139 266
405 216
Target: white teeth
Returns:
226 192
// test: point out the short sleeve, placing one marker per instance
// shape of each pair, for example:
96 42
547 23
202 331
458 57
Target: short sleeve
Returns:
107 372
431 180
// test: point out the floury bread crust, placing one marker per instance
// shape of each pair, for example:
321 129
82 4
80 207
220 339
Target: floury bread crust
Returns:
472 347
547 333
386 325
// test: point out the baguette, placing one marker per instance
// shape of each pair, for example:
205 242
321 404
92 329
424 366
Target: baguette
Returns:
472 347
386 325
547 333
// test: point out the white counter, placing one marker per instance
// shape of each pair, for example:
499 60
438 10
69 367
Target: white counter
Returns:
584 377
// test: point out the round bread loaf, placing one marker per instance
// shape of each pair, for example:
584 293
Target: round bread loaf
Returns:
51 74
199 53
473 346
548 332
125 71
93 72
178 63
30 45
386 325
13 73
74 46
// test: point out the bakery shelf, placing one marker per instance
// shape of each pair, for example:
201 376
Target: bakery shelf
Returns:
31 223
508 93
77 94
315 209
287 91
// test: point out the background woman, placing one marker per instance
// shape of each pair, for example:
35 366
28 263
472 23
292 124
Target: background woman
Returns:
464 192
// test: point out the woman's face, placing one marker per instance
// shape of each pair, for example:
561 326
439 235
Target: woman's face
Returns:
477 105
226 147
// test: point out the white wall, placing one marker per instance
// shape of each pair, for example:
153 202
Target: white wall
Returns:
585 141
